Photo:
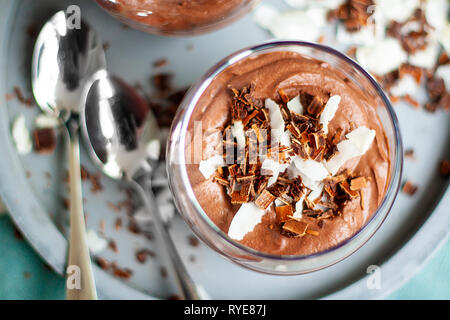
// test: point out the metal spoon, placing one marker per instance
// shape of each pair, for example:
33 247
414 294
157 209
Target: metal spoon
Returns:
63 59
121 134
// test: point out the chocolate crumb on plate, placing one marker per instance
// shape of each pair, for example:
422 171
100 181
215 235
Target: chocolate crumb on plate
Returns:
44 140
118 224
143 254
193 241
22 99
409 153
409 188
160 63
163 272
163 81
444 168
122 273
102 263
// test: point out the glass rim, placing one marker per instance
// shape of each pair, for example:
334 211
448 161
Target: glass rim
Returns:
197 89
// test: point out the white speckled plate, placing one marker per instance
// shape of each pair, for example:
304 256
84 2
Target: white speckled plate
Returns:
415 227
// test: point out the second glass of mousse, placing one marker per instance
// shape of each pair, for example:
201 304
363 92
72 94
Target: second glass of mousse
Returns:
177 17
291 157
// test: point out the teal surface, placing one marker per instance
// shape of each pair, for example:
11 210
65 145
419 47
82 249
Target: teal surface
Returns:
23 275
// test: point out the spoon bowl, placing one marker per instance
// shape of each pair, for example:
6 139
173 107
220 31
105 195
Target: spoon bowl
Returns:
63 60
121 131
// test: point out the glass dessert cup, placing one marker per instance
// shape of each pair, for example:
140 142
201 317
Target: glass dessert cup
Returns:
218 240
201 16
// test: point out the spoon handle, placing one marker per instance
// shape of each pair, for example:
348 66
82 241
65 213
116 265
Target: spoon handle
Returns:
186 285
80 284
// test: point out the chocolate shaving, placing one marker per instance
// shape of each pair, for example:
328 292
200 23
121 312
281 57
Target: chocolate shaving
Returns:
284 213
358 183
265 199
294 228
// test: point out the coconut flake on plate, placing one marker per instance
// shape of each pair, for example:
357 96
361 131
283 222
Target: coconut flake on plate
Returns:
329 111
436 13
444 38
295 105
329 4
95 243
153 149
265 15
21 136
237 129
43 121
405 85
364 37
398 10
382 57
443 72
209 166
293 24
245 220
427 57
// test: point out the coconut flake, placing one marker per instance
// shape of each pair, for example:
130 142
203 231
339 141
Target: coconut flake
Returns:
362 138
237 129
329 111
406 85
298 208
398 10
444 38
43 121
436 12
264 15
316 192
245 220
329 4
153 149
276 120
274 167
427 57
209 166
444 73
285 138
298 24
21 135
95 243
363 37
373 57
314 170
357 143
295 105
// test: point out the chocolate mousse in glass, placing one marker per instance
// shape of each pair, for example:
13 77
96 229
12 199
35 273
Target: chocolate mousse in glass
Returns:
177 17
286 157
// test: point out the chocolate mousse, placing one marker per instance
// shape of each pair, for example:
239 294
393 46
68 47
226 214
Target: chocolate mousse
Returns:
294 159
174 15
